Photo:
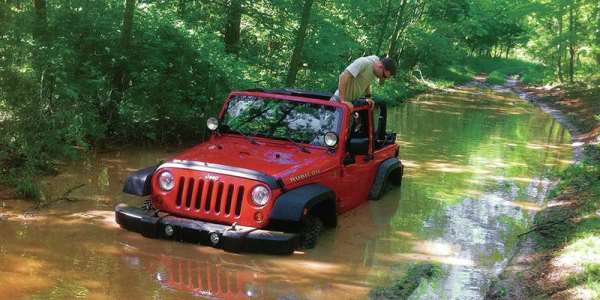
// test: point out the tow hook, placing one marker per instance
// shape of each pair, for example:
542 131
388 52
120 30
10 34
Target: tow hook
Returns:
233 226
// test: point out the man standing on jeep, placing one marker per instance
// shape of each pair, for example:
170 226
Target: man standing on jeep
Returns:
355 81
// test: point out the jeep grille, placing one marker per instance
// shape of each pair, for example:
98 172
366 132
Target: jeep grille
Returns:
209 197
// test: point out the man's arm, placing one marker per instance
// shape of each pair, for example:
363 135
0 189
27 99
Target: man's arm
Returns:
346 76
369 96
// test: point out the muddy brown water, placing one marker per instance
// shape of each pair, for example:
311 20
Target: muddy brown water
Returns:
478 166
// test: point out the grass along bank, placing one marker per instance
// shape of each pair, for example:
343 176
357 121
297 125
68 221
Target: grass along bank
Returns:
414 278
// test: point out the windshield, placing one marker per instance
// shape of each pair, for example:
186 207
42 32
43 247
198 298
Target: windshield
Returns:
280 119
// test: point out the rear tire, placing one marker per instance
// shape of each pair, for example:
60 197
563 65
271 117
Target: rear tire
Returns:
395 176
384 188
394 179
311 229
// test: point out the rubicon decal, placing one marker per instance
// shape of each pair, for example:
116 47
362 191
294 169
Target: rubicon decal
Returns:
303 176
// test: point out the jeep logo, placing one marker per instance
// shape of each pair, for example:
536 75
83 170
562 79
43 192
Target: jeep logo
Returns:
211 177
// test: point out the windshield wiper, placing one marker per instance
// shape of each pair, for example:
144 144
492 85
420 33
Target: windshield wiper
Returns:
300 146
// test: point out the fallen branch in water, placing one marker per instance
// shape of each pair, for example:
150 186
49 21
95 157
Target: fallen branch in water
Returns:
545 225
65 197
69 191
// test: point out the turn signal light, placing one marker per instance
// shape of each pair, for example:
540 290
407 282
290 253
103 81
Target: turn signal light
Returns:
258 217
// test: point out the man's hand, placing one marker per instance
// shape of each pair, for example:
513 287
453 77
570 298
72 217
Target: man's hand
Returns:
350 105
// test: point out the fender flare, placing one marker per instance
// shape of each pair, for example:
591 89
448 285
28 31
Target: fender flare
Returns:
385 169
139 182
289 207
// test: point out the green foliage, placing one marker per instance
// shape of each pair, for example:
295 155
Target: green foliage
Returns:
28 189
398 89
589 278
404 287
564 31
583 179
71 80
583 176
499 69
429 51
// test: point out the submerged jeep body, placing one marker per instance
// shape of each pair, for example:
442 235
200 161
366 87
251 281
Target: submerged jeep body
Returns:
278 167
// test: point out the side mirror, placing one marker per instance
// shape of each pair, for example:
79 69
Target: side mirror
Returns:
358 146
212 123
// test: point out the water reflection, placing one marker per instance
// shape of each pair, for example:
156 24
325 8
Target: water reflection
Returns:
477 202
477 169
210 276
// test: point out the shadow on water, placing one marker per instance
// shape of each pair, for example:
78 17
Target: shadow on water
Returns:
478 166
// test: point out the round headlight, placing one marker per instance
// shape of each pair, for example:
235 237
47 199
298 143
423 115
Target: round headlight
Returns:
331 139
212 123
166 181
260 195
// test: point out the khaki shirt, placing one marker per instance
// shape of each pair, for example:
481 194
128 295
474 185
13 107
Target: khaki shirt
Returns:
362 76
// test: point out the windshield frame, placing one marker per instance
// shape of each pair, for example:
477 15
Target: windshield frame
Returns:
339 109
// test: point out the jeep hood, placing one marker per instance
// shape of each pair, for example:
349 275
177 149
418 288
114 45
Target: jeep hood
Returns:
277 159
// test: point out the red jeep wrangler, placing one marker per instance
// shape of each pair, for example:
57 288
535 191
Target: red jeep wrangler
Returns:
270 177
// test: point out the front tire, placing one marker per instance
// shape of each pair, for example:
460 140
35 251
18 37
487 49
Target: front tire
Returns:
311 229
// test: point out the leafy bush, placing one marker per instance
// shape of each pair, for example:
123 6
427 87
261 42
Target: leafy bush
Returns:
405 286
69 83
28 189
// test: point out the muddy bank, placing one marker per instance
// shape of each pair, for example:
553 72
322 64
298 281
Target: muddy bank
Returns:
533 272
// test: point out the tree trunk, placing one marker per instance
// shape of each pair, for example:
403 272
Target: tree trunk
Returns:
119 80
232 30
127 28
408 15
560 46
392 50
39 60
571 42
41 21
299 44
384 26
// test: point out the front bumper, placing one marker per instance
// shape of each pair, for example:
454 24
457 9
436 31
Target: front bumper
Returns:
240 239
